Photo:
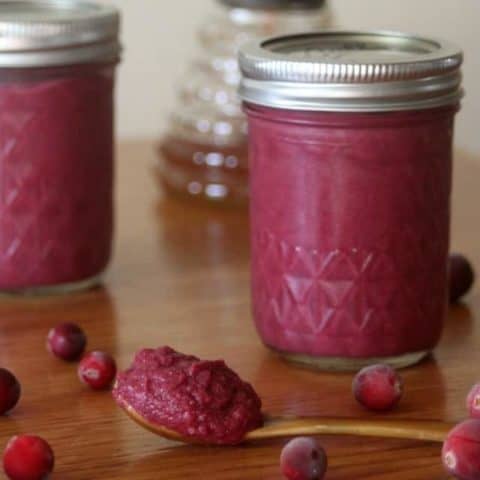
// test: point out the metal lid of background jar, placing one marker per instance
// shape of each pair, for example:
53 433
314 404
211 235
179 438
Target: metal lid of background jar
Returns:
351 71
36 33
274 4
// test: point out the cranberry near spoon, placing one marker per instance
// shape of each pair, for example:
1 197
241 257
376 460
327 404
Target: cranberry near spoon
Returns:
280 427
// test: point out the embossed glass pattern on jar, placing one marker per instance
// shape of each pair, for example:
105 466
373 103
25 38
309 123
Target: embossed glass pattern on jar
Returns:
57 63
350 196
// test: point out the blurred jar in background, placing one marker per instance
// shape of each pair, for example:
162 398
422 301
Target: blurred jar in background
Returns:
203 155
57 77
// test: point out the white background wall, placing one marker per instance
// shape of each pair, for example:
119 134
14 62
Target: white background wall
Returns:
159 39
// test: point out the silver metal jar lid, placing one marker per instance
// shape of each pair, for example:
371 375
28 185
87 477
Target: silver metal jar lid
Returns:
351 71
38 33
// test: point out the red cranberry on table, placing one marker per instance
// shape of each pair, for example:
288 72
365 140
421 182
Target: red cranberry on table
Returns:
28 457
97 370
67 341
303 459
462 277
378 387
473 401
9 391
461 450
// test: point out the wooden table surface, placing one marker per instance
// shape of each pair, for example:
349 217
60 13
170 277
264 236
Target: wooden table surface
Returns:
180 277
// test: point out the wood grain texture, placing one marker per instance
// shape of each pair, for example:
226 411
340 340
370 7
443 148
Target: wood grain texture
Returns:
180 277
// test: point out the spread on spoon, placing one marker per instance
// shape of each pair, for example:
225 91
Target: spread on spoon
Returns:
200 400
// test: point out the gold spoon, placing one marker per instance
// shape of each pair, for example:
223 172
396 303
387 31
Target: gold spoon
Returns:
426 430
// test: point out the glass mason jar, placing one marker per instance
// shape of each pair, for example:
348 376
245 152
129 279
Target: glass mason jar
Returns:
57 63
203 154
351 164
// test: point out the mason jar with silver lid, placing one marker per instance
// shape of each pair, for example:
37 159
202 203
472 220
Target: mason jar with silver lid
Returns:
350 139
57 69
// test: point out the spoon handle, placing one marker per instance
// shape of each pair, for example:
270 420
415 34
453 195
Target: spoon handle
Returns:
434 431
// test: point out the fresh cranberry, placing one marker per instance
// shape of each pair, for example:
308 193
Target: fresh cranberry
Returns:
28 457
67 341
378 387
303 459
97 370
473 401
462 277
9 391
461 450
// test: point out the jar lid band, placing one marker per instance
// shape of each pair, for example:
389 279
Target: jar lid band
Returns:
351 71
36 33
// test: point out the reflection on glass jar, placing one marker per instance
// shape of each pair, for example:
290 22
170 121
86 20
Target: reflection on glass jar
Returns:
56 144
203 154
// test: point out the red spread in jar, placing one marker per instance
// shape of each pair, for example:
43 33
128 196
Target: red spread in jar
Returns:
57 77
56 162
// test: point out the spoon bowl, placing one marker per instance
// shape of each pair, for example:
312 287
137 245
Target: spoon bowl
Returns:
159 429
